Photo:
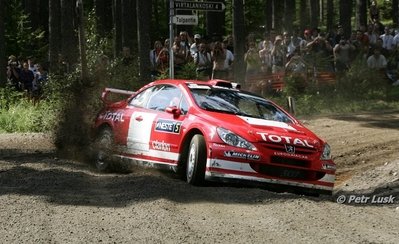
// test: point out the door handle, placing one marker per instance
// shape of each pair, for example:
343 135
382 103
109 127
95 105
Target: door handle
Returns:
139 118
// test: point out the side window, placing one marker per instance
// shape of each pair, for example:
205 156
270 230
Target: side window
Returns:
164 96
140 99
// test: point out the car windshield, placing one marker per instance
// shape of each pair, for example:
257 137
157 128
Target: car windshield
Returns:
236 102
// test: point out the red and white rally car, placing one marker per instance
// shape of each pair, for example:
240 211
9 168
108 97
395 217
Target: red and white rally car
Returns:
209 131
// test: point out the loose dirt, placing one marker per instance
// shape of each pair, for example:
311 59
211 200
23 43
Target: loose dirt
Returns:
46 199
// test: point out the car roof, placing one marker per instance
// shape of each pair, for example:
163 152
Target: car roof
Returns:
215 82
225 84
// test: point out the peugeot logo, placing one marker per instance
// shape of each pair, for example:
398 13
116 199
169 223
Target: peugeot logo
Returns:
289 148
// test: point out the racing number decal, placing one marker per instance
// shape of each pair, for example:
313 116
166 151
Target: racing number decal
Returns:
177 128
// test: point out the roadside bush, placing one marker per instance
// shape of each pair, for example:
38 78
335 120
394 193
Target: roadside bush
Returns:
188 71
358 89
362 83
24 117
9 97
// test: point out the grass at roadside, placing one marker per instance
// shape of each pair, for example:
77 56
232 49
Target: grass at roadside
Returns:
21 115
26 117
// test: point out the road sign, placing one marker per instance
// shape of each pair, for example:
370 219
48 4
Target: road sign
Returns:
185 19
204 6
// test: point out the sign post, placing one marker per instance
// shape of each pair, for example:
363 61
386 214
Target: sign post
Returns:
186 20
171 37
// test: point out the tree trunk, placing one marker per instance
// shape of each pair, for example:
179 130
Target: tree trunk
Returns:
143 24
395 14
330 15
43 11
278 15
157 16
215 22
3 64
37 12
129 24
303 17
289 14
269 15
239 41
54 32
117 20
82 42
361 13
345 13
103 10
69 38
314 10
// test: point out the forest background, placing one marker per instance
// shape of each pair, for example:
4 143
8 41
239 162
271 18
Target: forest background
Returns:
48 30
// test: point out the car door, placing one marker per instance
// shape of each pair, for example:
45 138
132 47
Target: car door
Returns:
140 123
167 129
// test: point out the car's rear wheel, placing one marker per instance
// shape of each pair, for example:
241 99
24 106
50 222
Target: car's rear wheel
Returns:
103 150
196 160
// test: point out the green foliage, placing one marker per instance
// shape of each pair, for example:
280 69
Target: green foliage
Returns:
361 83
71 104
106 71
9 97
21 40
385 8
96 46
188 71
18 114
358 89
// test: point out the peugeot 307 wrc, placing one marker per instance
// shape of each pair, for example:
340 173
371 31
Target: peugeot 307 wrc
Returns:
211 131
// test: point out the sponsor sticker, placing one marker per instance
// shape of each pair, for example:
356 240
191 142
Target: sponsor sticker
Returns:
114 116
285 139
161 145
290 155
233 154
169 126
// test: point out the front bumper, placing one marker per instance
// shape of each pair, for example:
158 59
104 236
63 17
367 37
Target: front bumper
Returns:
227 163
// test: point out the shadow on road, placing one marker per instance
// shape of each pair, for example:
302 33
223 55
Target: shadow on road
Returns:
72 183
386 119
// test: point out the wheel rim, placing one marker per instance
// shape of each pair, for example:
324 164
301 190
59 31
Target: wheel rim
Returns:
191 161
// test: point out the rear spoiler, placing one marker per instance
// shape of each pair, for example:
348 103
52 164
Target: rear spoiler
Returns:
224 83
107 91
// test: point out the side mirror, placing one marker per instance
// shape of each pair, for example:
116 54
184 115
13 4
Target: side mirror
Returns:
173 110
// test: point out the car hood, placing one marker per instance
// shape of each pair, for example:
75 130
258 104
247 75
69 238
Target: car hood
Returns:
261 130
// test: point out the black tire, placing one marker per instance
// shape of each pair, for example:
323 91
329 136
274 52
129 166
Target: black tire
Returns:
196 161
103 150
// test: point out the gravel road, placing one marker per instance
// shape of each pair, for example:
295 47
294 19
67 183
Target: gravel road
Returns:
46 199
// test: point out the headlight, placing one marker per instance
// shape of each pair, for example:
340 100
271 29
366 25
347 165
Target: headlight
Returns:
232 139
326 155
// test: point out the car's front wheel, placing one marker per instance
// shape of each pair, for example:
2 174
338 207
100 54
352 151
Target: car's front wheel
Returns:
196 160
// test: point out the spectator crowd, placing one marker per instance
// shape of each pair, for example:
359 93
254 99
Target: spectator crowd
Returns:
375 46
27 76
